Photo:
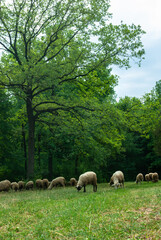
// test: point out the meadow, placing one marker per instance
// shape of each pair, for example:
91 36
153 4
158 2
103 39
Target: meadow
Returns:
63 213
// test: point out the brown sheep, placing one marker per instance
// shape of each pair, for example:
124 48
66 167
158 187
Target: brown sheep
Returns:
155 177
73 182
117 179
59 181
45 183
85 179
14 186
147 177
39 183
21 185
5 185
139 178
29 185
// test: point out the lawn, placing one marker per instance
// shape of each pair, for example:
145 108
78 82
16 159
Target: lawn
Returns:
63 213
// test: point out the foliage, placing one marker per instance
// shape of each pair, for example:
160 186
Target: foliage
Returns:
49 51
11 153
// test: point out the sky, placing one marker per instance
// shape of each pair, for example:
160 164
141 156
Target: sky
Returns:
137 81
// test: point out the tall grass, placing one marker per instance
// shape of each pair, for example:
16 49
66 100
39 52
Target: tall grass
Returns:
63 213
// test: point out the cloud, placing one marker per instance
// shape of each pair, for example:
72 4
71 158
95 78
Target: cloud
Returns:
140 12
138 81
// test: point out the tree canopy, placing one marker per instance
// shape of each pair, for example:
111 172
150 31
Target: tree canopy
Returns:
57 58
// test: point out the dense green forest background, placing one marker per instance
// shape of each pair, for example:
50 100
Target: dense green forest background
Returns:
58 110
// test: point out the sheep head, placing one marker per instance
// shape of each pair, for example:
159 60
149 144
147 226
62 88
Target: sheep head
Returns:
78 188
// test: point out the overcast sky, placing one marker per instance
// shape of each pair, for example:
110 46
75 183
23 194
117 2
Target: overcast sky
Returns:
137 81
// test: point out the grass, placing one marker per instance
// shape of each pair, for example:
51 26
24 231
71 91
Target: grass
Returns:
63 213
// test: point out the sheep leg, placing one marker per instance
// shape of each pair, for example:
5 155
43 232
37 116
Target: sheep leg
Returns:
94 188
84 188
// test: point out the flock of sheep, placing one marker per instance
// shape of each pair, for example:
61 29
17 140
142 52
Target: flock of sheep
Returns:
154 177
117 180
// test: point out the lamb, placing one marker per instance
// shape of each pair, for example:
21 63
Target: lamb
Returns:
45 183
85 179
155 177
14 186
59 181
73 182
117 179
21 185
39 183
29 185
5 185
139 178
147 177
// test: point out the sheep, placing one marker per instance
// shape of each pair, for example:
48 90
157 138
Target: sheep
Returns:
85 179
147 177
117 179
73 182
56 182
29 185
45 183
155 177
21 185
139 178
150 176
5 185
14 186
39 183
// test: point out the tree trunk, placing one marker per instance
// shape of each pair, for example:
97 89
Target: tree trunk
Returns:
31 140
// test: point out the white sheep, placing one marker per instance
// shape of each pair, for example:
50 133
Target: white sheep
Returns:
117 179
29 185
85 179
45 183
73 182
39 183
21 185
150 176
59 181
14 186
139 178
5 185
155 177
147 177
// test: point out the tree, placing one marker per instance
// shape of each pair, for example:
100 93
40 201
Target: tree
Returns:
49 45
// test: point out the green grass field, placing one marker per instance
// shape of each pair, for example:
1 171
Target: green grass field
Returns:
63 213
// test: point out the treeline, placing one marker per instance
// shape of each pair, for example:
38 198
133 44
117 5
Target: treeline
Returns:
58 113
115 135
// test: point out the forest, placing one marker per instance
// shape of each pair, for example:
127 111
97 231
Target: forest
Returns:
58 110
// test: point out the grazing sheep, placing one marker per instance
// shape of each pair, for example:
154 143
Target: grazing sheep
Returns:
39 183
139 178
117 179
147 179
155 177
14 186
59 181
5 185
29 185
73 182
45 183
21 185
150 176
85 179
